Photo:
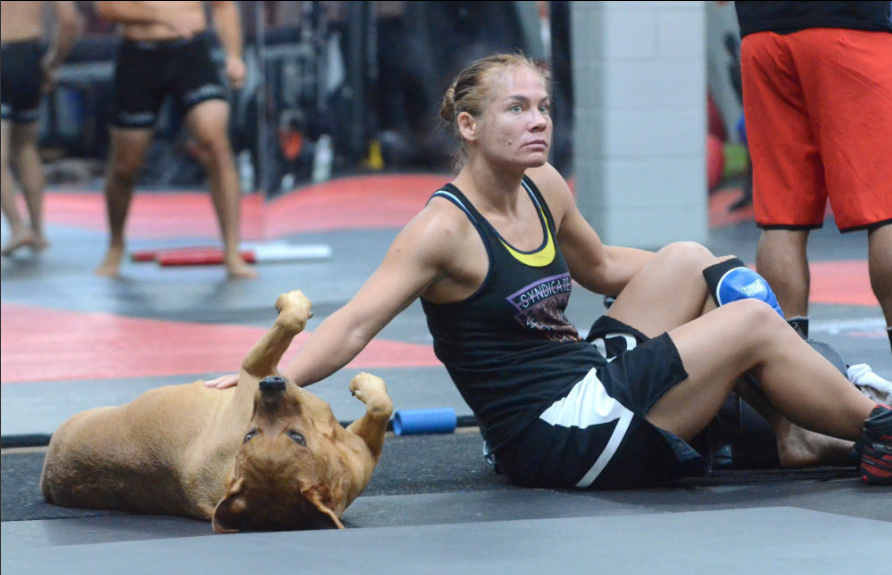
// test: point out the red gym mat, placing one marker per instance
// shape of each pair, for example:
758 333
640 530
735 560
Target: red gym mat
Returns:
841 282
385 201
41 344
381 201
154 215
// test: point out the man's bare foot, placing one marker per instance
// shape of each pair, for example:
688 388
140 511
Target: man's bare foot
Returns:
16 242
238 269
802 448
111 265
38 244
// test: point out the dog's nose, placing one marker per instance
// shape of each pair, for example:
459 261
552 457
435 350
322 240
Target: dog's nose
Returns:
272 383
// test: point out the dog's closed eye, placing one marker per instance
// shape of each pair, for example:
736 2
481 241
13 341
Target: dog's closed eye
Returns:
297 437
249 435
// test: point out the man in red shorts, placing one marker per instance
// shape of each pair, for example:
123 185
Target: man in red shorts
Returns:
817 98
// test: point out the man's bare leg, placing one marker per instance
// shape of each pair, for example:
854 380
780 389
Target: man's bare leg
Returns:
879 261
782 260
20 235
26 156
128 150
208 122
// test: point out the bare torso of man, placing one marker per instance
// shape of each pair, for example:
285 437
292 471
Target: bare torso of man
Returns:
21 21
182 12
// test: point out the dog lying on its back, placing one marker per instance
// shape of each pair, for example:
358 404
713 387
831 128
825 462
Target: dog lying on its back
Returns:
265 455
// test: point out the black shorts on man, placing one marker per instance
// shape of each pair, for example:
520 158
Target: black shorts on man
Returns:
146 73
20 79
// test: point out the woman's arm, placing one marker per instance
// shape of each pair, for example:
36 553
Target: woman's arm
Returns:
595 266
414 262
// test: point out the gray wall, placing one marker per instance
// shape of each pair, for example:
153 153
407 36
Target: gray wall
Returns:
639 71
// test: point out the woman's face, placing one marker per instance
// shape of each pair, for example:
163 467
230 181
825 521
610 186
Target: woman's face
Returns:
516 126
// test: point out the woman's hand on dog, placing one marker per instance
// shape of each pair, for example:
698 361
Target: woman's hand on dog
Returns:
222 382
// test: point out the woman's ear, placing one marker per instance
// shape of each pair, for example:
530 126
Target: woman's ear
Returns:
468 126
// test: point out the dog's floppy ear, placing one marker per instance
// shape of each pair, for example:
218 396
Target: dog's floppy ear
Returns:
233 512
320 497
229 513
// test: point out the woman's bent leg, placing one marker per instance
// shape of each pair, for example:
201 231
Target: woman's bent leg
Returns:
748 336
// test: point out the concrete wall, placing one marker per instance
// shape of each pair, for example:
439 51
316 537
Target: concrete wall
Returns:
640 120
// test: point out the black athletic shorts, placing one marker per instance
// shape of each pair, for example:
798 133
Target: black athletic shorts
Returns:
20 78
148 72
596 436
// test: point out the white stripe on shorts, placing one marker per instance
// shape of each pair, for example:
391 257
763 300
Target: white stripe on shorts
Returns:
589 404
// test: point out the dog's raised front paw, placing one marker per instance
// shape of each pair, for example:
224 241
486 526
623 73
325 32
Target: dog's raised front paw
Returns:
371 390
295 309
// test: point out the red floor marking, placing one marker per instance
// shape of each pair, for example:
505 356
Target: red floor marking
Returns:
383 201
387 201
841 282
363 202
158 215
41 344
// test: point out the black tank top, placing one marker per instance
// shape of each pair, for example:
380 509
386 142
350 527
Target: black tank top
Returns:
509 348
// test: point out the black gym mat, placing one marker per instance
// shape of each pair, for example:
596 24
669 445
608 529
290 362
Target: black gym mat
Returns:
426 464
409 465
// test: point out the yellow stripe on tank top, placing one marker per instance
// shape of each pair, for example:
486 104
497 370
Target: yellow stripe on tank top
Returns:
537 259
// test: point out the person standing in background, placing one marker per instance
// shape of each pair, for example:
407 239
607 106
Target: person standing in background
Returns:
817 98
164 53
26 74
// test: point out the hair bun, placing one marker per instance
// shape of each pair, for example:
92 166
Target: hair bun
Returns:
447 109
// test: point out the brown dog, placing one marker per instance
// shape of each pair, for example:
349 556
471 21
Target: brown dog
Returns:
265 455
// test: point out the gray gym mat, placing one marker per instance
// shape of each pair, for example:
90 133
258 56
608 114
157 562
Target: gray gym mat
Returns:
776 540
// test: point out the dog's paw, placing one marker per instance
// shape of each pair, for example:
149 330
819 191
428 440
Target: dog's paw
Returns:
371 390
295 309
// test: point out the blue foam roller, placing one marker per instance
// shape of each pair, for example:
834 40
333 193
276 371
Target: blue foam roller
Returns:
418 421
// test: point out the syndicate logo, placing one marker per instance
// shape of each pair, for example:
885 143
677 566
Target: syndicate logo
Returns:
541 306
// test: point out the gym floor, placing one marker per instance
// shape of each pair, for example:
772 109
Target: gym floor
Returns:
72 341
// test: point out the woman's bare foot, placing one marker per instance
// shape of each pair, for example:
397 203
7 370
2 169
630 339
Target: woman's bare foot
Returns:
798 447
111 265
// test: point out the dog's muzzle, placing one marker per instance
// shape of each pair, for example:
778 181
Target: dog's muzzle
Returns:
272 384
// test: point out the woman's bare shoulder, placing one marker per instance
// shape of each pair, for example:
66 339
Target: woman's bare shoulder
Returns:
438 228
553 187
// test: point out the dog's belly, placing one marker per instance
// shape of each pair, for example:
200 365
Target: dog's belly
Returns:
144 457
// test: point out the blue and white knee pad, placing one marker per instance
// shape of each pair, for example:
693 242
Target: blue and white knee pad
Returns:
731 280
